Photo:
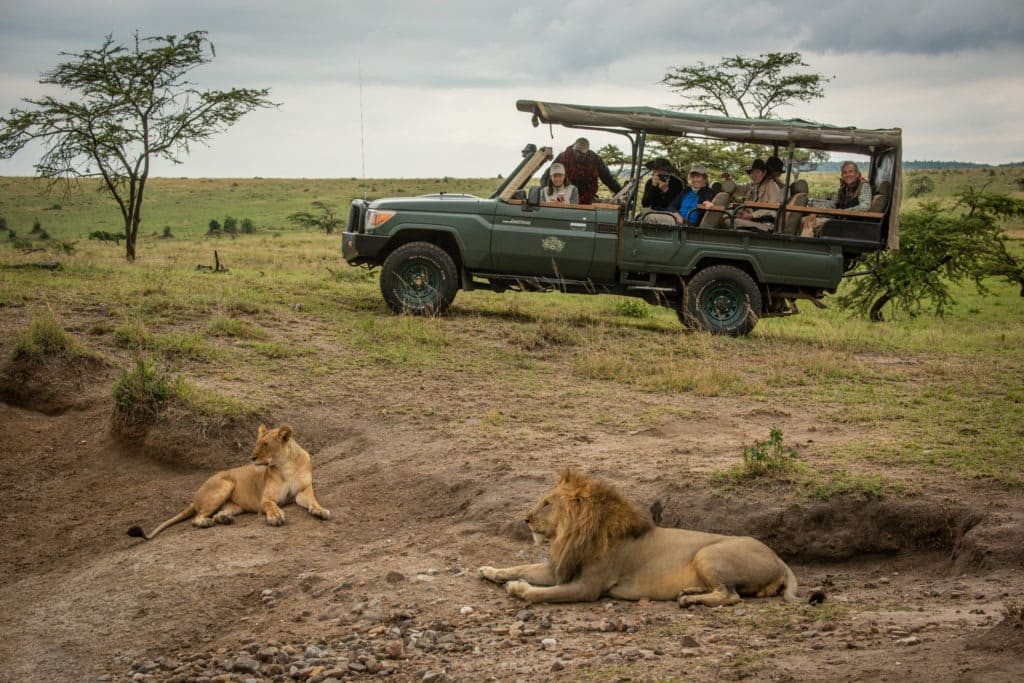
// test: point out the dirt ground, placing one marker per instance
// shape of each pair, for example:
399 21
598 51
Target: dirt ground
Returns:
915 588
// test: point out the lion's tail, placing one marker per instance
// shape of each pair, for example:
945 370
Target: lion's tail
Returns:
137 532
789 595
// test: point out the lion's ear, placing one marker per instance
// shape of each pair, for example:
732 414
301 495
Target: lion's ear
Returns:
284 433
262 430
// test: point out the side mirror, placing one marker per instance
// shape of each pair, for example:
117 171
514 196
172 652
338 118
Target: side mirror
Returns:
532 198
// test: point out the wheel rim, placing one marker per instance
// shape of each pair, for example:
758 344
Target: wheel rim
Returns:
418 285
723 303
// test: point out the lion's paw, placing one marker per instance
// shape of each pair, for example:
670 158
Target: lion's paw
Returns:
322 513
203 522
489 573
517 588
223 518
275 520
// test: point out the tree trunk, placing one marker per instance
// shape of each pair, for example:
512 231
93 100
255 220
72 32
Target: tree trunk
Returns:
875 314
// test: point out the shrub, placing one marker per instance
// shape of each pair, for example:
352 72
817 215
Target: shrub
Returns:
45 337
141 393
167 232
37 227
230 225
214 227
921 185
770 456
247 226
635 308
3 224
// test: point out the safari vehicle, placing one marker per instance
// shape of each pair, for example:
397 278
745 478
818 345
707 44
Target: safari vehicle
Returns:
715 277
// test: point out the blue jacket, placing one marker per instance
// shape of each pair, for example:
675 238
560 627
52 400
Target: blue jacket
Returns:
688 202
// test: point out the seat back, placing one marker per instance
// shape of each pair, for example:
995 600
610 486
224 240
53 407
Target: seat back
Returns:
713 219
792 224
880 202
798 186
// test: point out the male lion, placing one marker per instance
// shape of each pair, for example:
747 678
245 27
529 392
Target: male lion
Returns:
281 472
602 544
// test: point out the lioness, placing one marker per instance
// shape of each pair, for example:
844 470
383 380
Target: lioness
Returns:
281 472
602 544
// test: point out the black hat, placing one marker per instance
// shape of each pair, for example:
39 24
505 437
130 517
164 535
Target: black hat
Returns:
661 164
774 165
759 165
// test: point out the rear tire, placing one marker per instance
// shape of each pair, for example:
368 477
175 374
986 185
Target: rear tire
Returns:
419 278
721 300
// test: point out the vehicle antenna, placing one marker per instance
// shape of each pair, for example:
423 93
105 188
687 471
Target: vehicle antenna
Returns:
362 135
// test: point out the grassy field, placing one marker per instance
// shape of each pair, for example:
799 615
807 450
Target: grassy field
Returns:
946 393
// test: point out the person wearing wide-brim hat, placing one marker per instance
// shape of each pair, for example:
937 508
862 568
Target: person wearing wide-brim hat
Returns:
663 188
761 189
775 167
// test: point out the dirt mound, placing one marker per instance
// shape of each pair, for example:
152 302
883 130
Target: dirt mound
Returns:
1004 637
840 528
177 439
53 385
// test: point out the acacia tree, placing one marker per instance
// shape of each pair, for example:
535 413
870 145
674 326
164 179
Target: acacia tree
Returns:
326 217
937 248
747 87
133 105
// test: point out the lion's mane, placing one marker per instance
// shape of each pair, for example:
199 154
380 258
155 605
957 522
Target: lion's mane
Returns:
590 517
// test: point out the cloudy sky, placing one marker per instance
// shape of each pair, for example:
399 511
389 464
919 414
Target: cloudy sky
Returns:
407 88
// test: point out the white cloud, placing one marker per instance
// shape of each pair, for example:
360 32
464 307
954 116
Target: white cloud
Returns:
439 80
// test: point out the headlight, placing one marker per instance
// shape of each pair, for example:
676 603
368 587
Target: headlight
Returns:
377 217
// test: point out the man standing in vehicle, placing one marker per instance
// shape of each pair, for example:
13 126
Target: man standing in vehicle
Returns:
583 168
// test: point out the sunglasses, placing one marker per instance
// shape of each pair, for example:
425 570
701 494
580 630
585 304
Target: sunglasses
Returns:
661 176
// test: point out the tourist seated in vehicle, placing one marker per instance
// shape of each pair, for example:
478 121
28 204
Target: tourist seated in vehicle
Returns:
854 194
696 198
664 188
556 189
774 168
762 189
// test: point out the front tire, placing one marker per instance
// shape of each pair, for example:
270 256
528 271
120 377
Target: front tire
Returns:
419 278
721 300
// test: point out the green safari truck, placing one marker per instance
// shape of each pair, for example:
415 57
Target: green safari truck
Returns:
717 277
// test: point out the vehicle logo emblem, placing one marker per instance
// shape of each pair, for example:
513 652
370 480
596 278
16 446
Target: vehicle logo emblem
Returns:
553 244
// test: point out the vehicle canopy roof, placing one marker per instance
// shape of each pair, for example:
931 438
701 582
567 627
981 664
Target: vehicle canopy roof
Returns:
876 143
783 132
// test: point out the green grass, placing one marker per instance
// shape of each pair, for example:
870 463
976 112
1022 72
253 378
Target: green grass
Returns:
290 322
45 338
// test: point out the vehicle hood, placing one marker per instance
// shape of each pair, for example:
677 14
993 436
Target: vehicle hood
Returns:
448 203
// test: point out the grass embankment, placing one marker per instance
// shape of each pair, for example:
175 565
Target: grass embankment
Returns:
291 324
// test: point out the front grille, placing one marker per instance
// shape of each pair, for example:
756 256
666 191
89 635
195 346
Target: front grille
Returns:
356 214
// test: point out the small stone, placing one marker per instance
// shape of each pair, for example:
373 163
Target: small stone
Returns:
549 643
394 577
688 641
466 611
394 649
245 665
912 640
